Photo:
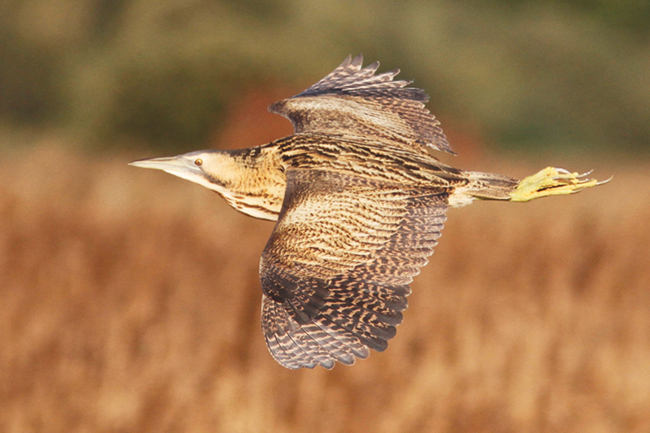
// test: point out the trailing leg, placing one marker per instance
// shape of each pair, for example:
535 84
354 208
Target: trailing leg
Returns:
551 181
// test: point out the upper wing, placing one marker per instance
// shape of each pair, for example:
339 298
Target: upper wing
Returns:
336 269
355 102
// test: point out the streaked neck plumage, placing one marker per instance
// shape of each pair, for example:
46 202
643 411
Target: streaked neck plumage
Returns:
251 180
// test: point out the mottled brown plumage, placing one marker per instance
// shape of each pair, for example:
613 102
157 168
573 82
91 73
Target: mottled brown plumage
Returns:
357 104
359 204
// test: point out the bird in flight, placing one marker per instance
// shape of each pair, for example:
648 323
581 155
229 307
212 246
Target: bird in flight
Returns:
359 203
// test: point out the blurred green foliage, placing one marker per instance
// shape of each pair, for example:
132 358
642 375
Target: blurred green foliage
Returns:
525 73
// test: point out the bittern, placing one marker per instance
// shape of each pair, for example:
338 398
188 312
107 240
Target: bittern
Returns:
359 203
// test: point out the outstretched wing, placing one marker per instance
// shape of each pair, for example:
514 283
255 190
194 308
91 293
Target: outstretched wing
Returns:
355 103
336 269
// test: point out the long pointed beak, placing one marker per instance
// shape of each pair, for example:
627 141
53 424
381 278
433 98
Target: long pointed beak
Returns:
180 166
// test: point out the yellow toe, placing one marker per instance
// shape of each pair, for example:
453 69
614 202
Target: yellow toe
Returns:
551 181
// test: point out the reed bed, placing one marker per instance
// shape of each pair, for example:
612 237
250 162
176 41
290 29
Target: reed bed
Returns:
130 302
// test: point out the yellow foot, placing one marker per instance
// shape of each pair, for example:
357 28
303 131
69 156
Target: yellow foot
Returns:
551 181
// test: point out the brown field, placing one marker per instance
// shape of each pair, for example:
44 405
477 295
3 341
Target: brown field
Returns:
130 302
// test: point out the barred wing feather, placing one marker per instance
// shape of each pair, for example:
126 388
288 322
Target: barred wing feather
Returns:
336 269
353 102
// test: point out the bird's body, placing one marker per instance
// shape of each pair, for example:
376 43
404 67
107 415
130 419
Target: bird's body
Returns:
253 180
359 203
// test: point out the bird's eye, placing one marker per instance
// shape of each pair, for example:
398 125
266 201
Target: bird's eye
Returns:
199 161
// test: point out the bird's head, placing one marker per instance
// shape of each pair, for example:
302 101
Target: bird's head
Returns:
214 169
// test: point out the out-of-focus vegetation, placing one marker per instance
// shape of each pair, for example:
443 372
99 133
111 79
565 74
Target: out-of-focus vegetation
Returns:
519 73
130 302
127 307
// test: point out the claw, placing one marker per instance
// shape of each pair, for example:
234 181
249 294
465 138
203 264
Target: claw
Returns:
552 181
602 182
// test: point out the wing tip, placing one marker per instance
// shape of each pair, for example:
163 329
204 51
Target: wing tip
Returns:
357 61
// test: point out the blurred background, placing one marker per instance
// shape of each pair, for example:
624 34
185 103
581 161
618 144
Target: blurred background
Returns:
129 300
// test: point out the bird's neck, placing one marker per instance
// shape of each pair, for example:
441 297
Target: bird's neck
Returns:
252 181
